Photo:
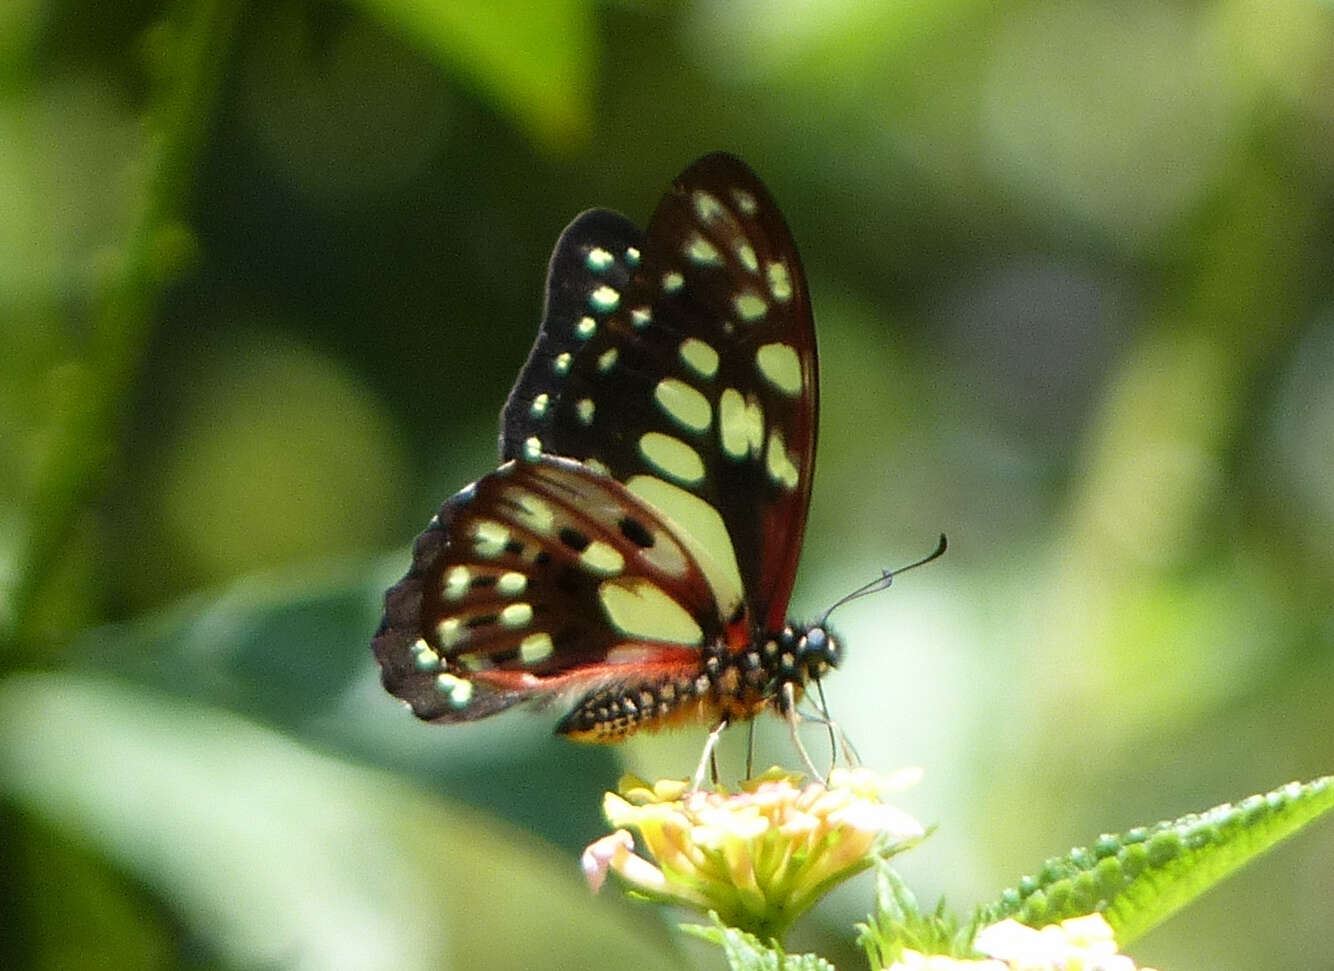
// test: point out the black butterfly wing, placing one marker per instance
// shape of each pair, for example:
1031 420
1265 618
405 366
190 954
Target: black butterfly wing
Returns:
683 361
540 579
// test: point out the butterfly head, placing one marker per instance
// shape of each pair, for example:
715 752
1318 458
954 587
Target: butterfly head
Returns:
804 653
818 650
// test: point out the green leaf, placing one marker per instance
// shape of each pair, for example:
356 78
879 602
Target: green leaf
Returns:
73 905
898 923
534 61
1145 875
290 648
272 854
745 952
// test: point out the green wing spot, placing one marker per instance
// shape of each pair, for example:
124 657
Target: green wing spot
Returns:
600 557
672 456
476 661
745 202
701 252
750 307
638 608
746 254
531 511
489 538
699 357
456 583
779 464
781 367
536 647
517 615
449 632
604 299
598 259
683 404
740 424
780 283
424 656
707 206
456 690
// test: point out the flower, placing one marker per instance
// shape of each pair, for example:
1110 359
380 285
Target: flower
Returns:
1078 944
758 857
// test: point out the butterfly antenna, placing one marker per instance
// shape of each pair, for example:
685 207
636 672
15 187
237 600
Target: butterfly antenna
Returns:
883 581
750 748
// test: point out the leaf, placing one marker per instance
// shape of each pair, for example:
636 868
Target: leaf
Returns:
67 376
274 855
898 923
291 649
1145 875
535 61
745 952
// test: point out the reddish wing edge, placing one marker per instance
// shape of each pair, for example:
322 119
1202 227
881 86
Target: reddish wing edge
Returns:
483 667
781 522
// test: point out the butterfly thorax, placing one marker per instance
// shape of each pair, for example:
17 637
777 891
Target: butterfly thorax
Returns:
731 684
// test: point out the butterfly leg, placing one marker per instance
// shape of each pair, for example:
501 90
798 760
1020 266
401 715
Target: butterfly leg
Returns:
843 749
750 748
837 736
793 718
706 758
829 724
849 750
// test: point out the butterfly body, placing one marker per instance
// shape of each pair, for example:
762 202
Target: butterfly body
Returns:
729 685
636 549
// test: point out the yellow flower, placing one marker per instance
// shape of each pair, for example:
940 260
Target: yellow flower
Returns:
758 857
1078 944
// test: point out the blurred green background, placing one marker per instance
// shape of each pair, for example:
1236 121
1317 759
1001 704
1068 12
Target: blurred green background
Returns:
268 270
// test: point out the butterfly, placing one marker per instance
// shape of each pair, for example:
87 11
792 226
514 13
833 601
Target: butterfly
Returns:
635 551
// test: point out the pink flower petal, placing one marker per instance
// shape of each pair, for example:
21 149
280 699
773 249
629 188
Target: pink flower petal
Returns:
601 854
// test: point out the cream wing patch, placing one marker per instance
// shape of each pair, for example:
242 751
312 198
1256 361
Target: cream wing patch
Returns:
701 530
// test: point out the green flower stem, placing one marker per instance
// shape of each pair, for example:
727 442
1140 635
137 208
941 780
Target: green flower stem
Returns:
188 52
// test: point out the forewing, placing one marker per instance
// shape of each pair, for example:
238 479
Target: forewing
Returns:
685 365
540 578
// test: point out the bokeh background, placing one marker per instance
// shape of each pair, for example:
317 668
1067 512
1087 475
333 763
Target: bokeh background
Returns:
267 271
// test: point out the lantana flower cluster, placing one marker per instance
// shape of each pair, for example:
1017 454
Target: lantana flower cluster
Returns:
758 857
